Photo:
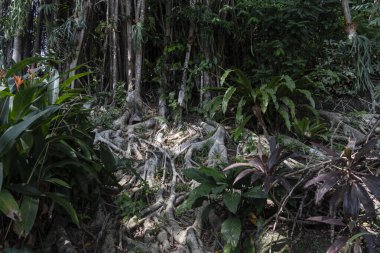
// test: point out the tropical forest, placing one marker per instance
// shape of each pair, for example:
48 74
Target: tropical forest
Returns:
190 126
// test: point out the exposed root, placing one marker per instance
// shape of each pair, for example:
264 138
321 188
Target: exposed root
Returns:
217 152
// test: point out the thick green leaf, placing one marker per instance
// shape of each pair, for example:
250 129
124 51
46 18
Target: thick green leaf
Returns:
26 189
256 192
198 176
239 111
28 210
225 75
62 201
308 96
243 80
218 176
9 206
227 96
289 82
231 229
231 200
264 101
58 181
198 192
290 104
8 139
71 79
285 115
22 101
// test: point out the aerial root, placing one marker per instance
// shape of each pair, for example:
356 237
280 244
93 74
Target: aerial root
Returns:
217 152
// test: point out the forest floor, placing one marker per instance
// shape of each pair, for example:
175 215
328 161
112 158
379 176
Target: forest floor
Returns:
142 215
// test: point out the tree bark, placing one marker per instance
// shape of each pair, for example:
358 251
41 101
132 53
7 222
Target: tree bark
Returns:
140 18
115 9
17 47
129 45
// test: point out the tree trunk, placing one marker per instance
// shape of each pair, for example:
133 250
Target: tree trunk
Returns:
182 91
17 47
350 27
140 18
129 45
114 9
79 40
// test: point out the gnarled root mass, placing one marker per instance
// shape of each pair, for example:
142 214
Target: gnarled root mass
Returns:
159 154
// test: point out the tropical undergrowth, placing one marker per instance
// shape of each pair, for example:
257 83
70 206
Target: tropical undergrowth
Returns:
48 165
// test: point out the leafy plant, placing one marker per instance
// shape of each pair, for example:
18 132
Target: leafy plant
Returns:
46 153
245 98
218 187
310 129
349 174
263 167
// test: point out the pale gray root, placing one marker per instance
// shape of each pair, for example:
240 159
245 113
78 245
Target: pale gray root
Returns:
348 130
133 245
150 170
123 120
217 153
141 125
107 137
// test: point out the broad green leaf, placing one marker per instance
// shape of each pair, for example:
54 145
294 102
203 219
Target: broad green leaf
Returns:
198 192
231 229
218 176
26 189
198 176
219 189
71 79
227 96
239 111
256 192
21 102
264 101
9 137
243 80
9 206
57 181
231 200
1 175
225 75
272 94
290 104
237 132
26 141
289 82
28 210
66 149
285 115
62 201
308 96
